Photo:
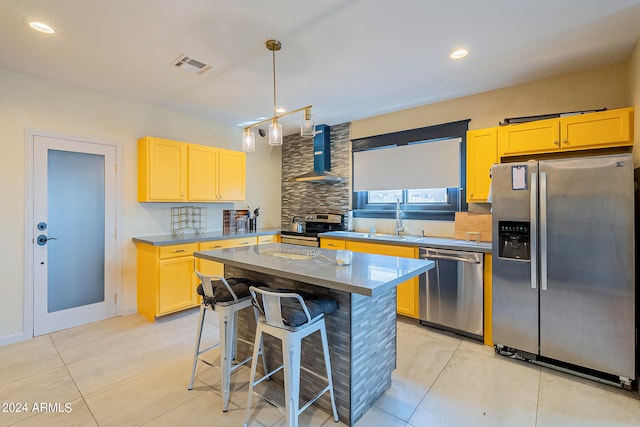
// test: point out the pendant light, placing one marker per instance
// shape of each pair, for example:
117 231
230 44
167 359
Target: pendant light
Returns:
307 127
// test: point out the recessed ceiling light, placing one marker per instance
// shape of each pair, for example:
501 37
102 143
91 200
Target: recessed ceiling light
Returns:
458 54
281 110
42 27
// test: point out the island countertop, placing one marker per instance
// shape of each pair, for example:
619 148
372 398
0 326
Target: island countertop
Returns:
367 275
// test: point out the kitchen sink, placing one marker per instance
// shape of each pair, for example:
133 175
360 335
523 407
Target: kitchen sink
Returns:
392 236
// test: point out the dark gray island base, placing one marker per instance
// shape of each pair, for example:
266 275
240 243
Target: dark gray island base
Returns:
361 334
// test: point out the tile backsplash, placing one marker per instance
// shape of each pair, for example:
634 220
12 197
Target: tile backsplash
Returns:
318 197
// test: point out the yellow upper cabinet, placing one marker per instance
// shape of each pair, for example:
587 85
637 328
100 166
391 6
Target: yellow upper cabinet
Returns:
613 128
202 173
172 171
162 166
540 136
482 152
603 129
232 175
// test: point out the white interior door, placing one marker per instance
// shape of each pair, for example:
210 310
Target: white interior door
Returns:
74 229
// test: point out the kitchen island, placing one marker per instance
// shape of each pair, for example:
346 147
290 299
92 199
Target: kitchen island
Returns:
361 334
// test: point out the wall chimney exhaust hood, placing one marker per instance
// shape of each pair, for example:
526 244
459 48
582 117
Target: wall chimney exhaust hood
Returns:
321 158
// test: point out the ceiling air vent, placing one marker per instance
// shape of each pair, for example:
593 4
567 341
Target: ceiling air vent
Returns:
190 64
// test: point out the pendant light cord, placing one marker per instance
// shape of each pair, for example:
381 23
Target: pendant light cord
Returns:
273 56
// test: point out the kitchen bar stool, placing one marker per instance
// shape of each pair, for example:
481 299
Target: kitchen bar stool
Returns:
226 297
285 315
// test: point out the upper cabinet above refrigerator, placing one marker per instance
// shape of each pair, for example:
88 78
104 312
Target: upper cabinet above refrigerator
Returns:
603 129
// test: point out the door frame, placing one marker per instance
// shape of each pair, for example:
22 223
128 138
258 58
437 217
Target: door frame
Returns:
28 299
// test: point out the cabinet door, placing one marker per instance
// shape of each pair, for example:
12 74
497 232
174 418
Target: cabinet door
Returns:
482 152
162 166
202 183
541 136
176 285
333 243
210 268
232 175
407 292
597 130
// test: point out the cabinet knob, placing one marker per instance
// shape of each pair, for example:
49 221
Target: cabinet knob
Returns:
565 141
556 142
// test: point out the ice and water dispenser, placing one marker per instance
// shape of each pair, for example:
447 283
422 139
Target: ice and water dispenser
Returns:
514 240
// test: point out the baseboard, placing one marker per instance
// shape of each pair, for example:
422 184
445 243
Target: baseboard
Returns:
13 338
128 310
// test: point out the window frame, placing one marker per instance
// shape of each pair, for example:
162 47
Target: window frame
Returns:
432 211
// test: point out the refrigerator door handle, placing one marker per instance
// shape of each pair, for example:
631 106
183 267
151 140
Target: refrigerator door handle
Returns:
534 230
543 231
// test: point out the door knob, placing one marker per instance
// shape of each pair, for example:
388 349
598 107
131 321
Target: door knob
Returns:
42 240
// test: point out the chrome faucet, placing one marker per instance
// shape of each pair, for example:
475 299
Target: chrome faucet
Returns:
399 224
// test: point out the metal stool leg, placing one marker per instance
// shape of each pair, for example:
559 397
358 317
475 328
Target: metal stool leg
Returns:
327 363
254 364
227 346
291 346
198 339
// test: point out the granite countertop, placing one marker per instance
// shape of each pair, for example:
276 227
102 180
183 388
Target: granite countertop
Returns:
168 239
367 275
413 241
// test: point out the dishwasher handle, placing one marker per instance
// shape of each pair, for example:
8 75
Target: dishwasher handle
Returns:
427 254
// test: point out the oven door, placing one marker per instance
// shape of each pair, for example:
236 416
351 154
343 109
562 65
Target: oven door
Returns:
300 240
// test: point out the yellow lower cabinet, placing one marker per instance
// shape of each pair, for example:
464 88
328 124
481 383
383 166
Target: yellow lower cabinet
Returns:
212 268
407 292
176 285
166 282
333 243
166 274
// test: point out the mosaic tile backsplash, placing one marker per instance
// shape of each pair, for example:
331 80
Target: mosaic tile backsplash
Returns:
314 197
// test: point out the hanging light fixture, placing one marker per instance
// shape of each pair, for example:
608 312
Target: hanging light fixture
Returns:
307 127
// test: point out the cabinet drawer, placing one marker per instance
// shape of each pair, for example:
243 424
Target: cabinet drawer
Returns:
175 251
333 243
215 244
245 241
274 238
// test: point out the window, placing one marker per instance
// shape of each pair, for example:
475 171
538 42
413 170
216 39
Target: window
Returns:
423 196
374 180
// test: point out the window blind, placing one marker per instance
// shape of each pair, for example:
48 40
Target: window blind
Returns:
432 164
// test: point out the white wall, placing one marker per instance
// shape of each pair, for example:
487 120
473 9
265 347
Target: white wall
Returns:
27 102
589 89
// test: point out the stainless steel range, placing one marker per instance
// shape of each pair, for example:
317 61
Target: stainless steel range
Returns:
314 224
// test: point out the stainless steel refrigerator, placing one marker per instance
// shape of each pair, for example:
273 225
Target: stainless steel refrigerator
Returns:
563 263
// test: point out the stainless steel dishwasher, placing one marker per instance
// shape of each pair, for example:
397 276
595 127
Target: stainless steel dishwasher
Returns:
451 294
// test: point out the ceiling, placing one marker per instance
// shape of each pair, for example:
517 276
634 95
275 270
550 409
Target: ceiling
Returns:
351 59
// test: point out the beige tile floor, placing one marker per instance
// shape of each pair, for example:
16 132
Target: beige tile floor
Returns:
126 371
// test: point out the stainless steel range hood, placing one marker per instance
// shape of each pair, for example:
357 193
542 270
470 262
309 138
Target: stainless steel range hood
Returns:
321 159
